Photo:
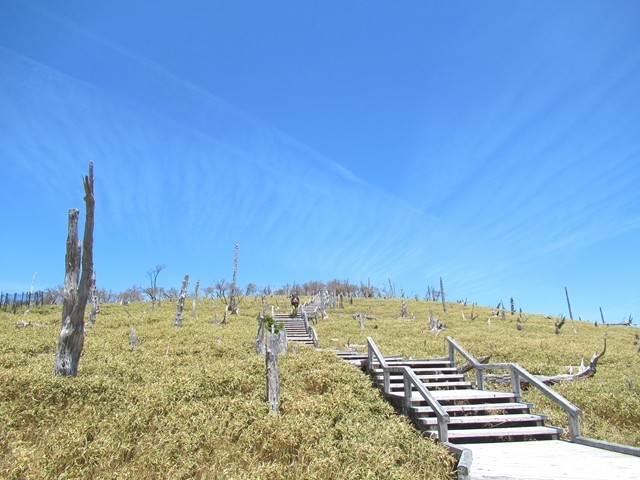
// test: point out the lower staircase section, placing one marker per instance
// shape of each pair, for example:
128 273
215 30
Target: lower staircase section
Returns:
471 415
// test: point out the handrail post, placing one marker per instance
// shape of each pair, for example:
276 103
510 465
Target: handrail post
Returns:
479 378
387 380
574 425
452 352
369 357
515 383
407 391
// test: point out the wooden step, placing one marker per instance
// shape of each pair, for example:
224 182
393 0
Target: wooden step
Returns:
475 409
499 434
432 377
460 397
487 421
424 363
432 386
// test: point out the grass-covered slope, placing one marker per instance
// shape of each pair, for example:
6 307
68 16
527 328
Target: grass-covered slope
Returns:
189 403
610 400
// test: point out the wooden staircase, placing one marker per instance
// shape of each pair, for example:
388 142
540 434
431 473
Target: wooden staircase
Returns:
295 328
474 416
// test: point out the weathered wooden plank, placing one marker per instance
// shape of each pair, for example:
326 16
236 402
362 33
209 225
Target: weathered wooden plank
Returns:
547 460
462 395
517 432
477 407
487 419
435 385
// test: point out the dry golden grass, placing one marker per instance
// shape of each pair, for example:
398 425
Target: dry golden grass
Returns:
189 403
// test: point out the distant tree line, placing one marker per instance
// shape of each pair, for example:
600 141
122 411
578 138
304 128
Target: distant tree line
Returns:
222 289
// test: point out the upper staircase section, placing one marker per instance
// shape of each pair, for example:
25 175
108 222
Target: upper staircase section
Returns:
297 330
298 326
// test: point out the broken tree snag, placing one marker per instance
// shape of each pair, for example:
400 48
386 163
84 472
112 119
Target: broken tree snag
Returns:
78 265
183 296
559 324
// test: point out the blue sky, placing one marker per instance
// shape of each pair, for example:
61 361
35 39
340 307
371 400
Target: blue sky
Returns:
495 144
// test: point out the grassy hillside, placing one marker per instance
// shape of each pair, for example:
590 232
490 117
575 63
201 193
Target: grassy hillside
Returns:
189 402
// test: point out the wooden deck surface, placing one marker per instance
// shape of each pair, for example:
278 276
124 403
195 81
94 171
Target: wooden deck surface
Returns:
549 460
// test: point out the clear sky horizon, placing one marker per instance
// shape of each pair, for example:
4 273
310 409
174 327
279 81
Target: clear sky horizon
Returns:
494 144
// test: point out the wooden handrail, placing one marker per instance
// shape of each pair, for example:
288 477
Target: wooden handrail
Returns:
373 352
517 372
309 329
410 380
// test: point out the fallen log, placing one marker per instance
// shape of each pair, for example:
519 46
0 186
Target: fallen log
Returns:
590 371
467 366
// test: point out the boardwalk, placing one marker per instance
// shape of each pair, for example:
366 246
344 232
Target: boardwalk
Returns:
506 440
549 460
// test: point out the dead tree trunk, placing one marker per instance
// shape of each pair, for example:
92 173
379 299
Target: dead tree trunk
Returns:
195 299
95 308
233 296
273 379
71 337
183 296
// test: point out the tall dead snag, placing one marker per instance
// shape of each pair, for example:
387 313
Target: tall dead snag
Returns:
566 292
444 305
183 296
78 256
233 295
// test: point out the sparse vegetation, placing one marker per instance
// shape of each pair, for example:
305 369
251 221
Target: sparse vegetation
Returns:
190 402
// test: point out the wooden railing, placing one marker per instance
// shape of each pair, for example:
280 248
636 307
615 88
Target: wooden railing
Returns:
518 373
410 381
309 329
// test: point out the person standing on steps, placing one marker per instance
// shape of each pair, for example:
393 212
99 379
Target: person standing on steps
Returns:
295 301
